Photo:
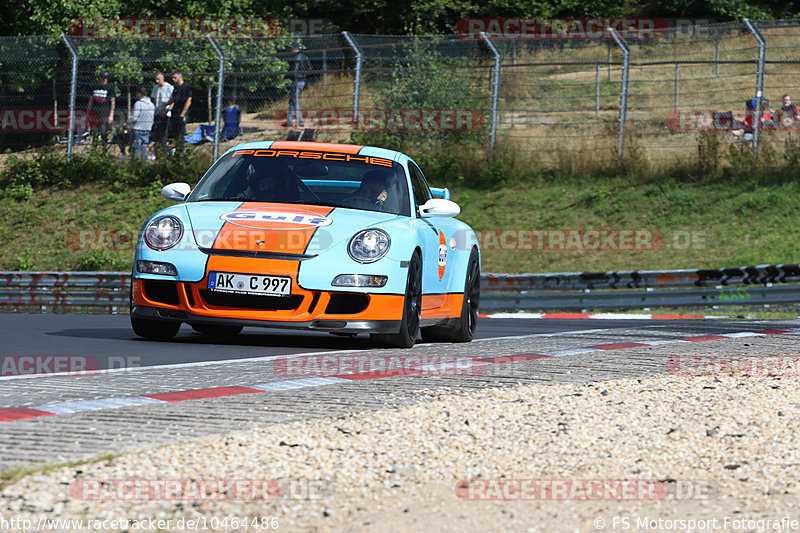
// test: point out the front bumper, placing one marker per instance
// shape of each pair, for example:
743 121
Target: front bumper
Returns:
344 326
325 310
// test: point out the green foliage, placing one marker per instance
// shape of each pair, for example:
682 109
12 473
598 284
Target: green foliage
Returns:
40 17
425 80
20 177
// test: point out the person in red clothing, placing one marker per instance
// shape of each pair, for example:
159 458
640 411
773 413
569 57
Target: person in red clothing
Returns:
765 118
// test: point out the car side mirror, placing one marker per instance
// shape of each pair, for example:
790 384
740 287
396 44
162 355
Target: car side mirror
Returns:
438 207
177 192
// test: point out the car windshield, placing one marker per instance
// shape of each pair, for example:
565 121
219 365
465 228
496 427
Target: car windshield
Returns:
307 177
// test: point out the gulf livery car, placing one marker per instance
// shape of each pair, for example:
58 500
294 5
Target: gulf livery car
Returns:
327 237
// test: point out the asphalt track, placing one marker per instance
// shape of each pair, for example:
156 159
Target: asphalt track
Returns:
110 340
161 392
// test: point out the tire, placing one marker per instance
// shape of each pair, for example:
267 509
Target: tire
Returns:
412 310
464 329
157 330
217 330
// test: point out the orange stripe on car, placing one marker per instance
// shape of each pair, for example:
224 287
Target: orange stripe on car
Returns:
442 305
270 234
317 147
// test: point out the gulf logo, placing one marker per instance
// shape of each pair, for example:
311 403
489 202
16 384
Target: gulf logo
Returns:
442 254
289 219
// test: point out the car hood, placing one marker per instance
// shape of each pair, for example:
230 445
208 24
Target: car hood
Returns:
275 227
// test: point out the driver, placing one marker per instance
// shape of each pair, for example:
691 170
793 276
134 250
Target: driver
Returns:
373 187
269 182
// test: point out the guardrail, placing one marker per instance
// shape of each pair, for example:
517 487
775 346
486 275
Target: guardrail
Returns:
109 292
65 292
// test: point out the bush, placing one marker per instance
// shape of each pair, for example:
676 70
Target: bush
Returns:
20 177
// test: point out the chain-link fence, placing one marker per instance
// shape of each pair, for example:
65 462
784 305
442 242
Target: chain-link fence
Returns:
571 102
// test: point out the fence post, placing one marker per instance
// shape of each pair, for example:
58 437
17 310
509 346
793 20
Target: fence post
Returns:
716 50
220 85
210 110
597 90
762 54
357 81
677 70
495 87
623 91
73 93
324 67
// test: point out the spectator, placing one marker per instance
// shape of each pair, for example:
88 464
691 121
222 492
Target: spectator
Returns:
141 122
788 114
103 100
179 104
299 67
765 118
160 95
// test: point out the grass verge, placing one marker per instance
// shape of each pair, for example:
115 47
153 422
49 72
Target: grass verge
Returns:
706 214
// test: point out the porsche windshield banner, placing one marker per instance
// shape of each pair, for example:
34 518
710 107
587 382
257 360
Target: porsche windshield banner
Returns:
325 156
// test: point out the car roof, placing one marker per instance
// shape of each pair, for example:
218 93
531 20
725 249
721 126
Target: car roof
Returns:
372 151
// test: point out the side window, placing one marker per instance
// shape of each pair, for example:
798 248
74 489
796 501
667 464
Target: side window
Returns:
422 192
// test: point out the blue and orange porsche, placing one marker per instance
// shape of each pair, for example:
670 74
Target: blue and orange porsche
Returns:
326 237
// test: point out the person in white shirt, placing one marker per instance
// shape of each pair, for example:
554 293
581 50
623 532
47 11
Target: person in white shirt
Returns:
141 123
160 95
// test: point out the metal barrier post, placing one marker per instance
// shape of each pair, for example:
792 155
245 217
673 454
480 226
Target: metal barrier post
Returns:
495 87
220 84
73 93
677 70
357 81
623 91
597 90
762 55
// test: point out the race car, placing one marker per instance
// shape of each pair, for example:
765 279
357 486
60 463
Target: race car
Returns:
316 236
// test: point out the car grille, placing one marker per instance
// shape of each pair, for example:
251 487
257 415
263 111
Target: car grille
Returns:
248 301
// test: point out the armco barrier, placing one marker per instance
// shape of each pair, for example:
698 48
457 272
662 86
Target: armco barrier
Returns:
65 292
109 292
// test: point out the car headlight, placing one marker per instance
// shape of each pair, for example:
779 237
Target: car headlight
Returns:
369 245
163 232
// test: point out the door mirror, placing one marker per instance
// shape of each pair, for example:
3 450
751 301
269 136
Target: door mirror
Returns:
177 192
438 207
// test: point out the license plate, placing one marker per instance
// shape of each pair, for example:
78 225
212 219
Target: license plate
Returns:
250 283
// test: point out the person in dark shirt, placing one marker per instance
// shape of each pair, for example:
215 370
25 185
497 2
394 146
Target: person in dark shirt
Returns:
299 67
102 101
788 115
179 103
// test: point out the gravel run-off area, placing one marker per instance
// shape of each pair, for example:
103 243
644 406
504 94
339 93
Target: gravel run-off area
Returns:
671 453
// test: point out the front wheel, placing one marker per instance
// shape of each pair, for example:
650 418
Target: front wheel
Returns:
157 330
464 329
412 309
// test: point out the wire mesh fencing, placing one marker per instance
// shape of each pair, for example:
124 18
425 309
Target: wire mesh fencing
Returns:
569 102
